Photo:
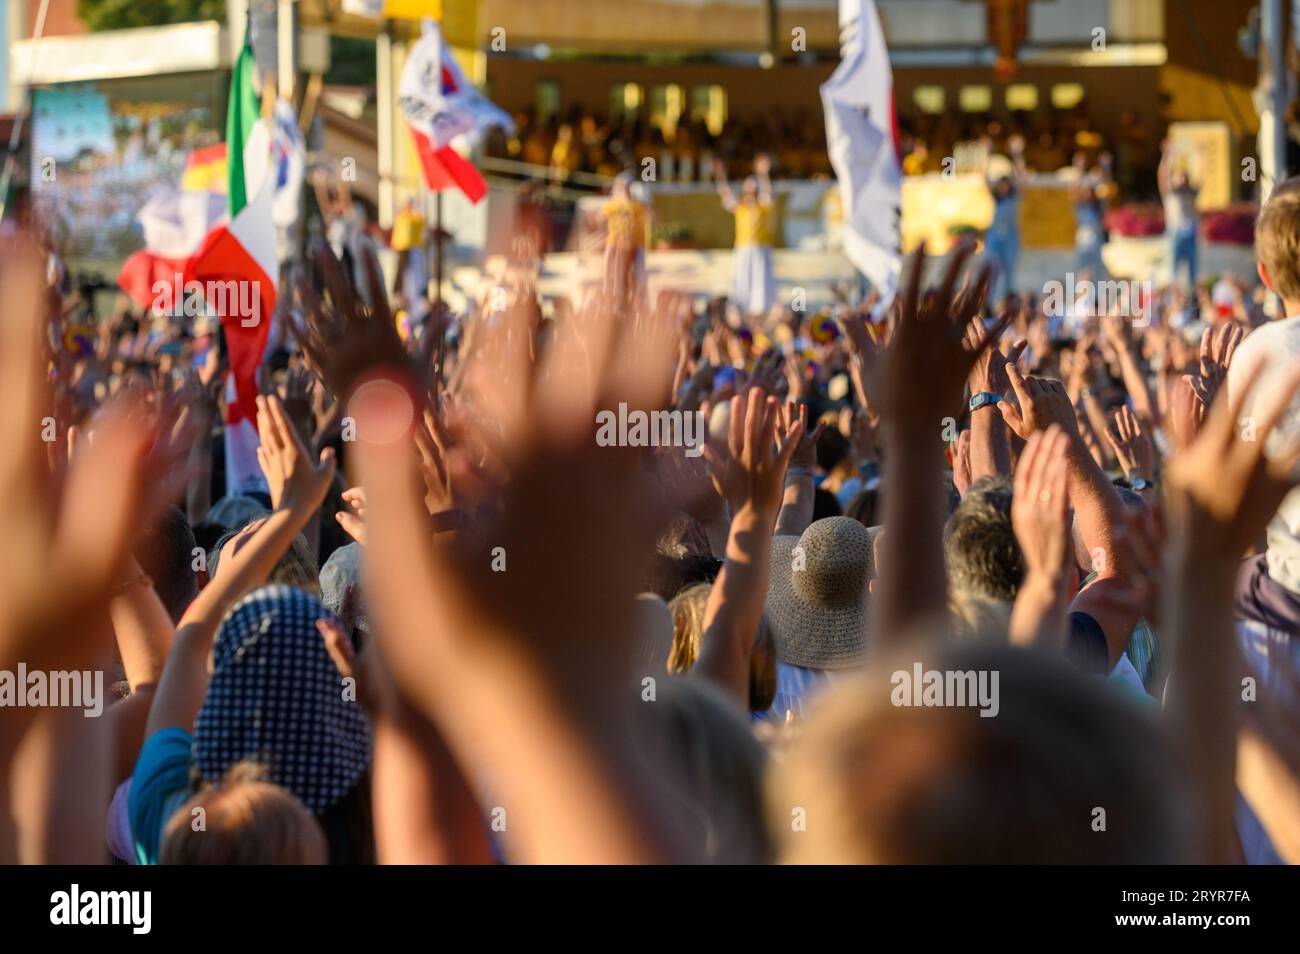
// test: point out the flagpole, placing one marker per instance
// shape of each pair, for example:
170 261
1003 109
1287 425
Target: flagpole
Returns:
437 238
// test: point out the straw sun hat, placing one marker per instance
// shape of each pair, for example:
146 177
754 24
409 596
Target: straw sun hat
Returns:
817 598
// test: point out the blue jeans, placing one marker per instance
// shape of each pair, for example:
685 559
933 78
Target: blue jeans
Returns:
1182 249
1004 249
1088 259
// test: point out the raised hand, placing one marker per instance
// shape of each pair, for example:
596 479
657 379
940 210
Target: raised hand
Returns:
989 373
752 471
1040 518
1042 403
1040 505
296 481
522 663
1218 345
805 453
299 402
1131 444
354 523
769 372
864 350
1223 489
67 540
928 360
344 337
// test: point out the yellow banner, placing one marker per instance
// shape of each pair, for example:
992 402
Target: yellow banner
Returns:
459 18
413 9
1204 151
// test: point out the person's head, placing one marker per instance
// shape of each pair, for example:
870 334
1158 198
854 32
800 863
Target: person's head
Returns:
865 507
275 695
340 587
165 551
668 575
832 449
651 636
825 504
717 769
884 780
687 609
1277 244
296 568
622 187
971 616
246 820
980 548
817 594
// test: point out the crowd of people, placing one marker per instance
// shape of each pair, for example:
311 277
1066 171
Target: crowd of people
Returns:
581 140
961 580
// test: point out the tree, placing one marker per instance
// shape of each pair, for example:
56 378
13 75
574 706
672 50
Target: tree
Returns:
124 14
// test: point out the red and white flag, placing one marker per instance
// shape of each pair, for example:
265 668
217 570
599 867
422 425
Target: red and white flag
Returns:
440 105
175 221
862 141
239 271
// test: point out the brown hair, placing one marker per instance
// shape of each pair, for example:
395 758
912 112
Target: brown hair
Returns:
245 821
1277 239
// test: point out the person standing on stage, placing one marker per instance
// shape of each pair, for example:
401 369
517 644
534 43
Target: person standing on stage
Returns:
1002 240
755 285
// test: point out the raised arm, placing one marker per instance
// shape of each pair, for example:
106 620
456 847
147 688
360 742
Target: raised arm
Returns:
1040 519
1222 492
70 538
799 497
990 445
299 485
527 673
1098 510
751 473
922 378
762 172
724 188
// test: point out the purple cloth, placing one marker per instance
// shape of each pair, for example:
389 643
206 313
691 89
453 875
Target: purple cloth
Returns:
1261 599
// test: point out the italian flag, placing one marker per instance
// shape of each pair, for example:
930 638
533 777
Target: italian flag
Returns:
238 268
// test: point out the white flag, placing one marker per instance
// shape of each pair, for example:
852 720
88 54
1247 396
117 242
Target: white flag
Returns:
436 97
861 138
175 221
288 153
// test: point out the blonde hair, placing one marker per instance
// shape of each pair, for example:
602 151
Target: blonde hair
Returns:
875 781
687 609
1277 239
244 821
